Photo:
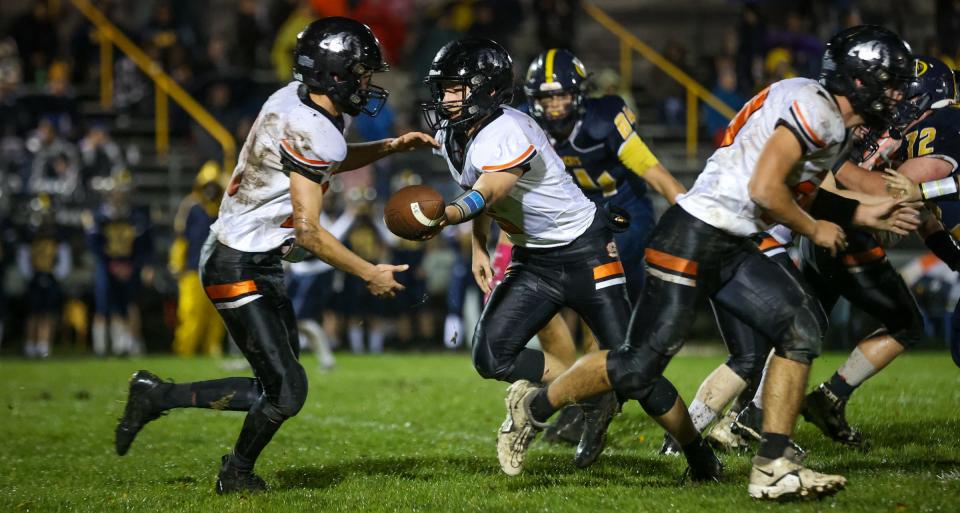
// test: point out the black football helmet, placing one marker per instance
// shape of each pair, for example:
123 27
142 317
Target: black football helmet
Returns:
480 64
556 71
872 67
332 57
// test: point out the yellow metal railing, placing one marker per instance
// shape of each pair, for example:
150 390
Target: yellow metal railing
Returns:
164 87
629 43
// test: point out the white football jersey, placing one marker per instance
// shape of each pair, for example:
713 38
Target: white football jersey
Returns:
290 133
544 208
721 198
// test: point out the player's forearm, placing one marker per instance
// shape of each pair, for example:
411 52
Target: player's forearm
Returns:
361 154
778 204
481 232
663 182
858 179
315 239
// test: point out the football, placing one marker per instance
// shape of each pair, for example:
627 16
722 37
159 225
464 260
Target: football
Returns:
414 212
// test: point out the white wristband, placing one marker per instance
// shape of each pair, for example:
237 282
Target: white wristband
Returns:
939 188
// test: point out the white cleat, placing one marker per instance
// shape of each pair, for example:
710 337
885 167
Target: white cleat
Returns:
519 429
722 437
784 479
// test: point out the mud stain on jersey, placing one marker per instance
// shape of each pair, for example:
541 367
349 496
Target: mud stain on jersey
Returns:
254 156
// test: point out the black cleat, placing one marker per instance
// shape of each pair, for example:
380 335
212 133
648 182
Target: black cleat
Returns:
670 446
568 428
233 480
703 463
141 408
749 423
749 426
597 413
827 411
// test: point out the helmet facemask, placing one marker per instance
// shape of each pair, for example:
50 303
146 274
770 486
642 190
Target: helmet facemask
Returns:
556 123
477 99
355 93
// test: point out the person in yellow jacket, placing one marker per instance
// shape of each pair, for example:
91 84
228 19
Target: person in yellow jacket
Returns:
197 321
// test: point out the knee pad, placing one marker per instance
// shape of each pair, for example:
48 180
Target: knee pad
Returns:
748 366
483 360
908 329
293 393
633 371
660 398
802 339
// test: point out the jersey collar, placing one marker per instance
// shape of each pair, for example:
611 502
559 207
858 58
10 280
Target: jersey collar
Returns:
304 94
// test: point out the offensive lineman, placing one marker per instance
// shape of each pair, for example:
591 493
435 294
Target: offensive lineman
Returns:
272 212
510 172
786 137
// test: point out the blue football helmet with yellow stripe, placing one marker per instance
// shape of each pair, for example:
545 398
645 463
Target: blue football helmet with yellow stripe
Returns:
555 72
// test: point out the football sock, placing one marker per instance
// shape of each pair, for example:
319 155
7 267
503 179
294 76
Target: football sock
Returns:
701 414
540 407
233 394
851 374
258 430
773 445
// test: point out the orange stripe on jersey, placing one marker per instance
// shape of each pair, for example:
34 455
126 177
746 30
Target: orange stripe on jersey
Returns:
510 164
607 270
287 223
864 257
293 152
806 127
673 263
230 290
741 118
769 243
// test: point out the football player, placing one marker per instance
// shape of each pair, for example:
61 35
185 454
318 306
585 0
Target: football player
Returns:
773 156
271 212
600 148
930 152
510 172
862 274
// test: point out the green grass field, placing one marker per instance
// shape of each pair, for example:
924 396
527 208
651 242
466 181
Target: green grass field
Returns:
416 433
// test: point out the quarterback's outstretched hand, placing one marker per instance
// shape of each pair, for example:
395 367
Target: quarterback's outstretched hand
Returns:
412 141
381 282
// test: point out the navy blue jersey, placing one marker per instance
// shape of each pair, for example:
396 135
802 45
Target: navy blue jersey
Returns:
604 153
121 236
937 136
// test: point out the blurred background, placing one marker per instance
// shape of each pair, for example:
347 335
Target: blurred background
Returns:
119 121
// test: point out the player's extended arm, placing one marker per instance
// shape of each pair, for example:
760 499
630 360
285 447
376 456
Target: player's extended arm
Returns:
307 198
663 182
858 179
480 263
488 189
361 154
925 178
